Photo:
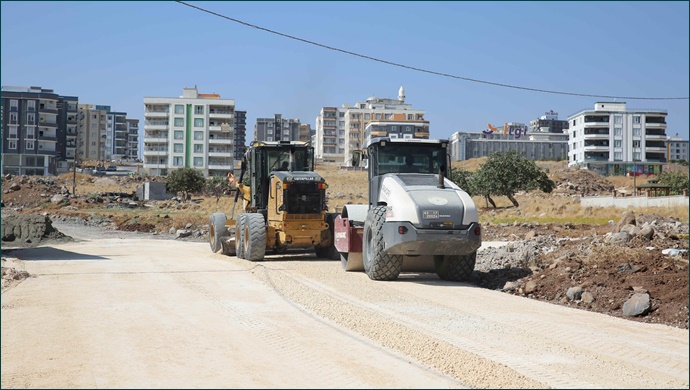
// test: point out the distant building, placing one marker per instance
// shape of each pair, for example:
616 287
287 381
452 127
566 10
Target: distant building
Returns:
39 131
194 130
277 129
132 150
305 133
677 149
240 134
92 132
547 125
467 145
612 140
117 136
339 131
396 127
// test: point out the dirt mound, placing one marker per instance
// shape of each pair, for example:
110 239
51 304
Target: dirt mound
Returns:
29 229
581 182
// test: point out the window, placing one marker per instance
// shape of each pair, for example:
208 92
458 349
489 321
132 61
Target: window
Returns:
410 117
270 131
388 116
13 117
178 135
177 161
394 128
198 148
198 110
93 143
14 104
636 119
198 135
30 133
636 156
408 128
177 148
179 122
198 161
12 144
636 131
31 105
179 109
13 132
367 116
30 145
378 116
618 156
617 143
617 119
341 114
198 122
636 144
286 125
31 119
342 123
617 131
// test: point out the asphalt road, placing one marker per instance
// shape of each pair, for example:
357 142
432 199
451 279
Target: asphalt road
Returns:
122 311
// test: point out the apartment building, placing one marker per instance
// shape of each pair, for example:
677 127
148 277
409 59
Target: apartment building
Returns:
339 131
39 131
614 140
92 132
194 131
240 134
677 149
305 133
132 150
277 129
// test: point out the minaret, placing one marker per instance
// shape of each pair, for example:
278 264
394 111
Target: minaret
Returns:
401 94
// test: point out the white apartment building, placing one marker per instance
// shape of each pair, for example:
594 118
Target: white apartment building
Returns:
612 140
194 131
339 131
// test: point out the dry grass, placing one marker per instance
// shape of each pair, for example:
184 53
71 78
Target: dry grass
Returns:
351 187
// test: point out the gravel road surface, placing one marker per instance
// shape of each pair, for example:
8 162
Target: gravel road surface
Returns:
130 310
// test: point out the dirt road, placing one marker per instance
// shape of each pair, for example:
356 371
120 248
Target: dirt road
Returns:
132 312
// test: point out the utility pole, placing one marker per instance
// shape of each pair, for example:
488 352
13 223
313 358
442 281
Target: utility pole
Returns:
80 116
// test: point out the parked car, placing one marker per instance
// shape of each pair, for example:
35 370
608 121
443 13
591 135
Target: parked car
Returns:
112 168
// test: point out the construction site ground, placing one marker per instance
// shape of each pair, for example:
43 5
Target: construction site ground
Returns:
553 244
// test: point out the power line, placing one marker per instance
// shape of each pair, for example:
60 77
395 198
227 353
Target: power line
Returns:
426 70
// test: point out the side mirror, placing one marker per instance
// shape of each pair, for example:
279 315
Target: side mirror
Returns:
356 157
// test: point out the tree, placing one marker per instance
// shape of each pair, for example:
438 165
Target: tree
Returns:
677 180
185 180
504 174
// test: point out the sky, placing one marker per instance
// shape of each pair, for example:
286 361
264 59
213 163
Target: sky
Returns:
117 53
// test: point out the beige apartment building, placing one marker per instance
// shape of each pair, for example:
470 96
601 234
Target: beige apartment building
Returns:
339 131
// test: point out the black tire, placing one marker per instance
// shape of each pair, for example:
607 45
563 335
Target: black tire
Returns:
254 237
455 268
216 231
378 264
239 236
329 252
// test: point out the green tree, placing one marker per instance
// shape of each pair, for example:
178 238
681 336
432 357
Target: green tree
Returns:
462 179
677 180
505 174
185 180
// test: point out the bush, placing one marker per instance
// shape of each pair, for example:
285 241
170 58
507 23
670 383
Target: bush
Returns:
185 180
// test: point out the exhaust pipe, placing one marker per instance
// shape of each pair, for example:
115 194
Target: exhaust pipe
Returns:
441 172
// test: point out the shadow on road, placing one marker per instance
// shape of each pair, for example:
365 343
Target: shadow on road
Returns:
50 253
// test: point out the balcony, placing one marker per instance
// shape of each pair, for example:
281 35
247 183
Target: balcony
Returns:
47 123
596 156
155 152
597 119
215 139
221 113
652 125
47 109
